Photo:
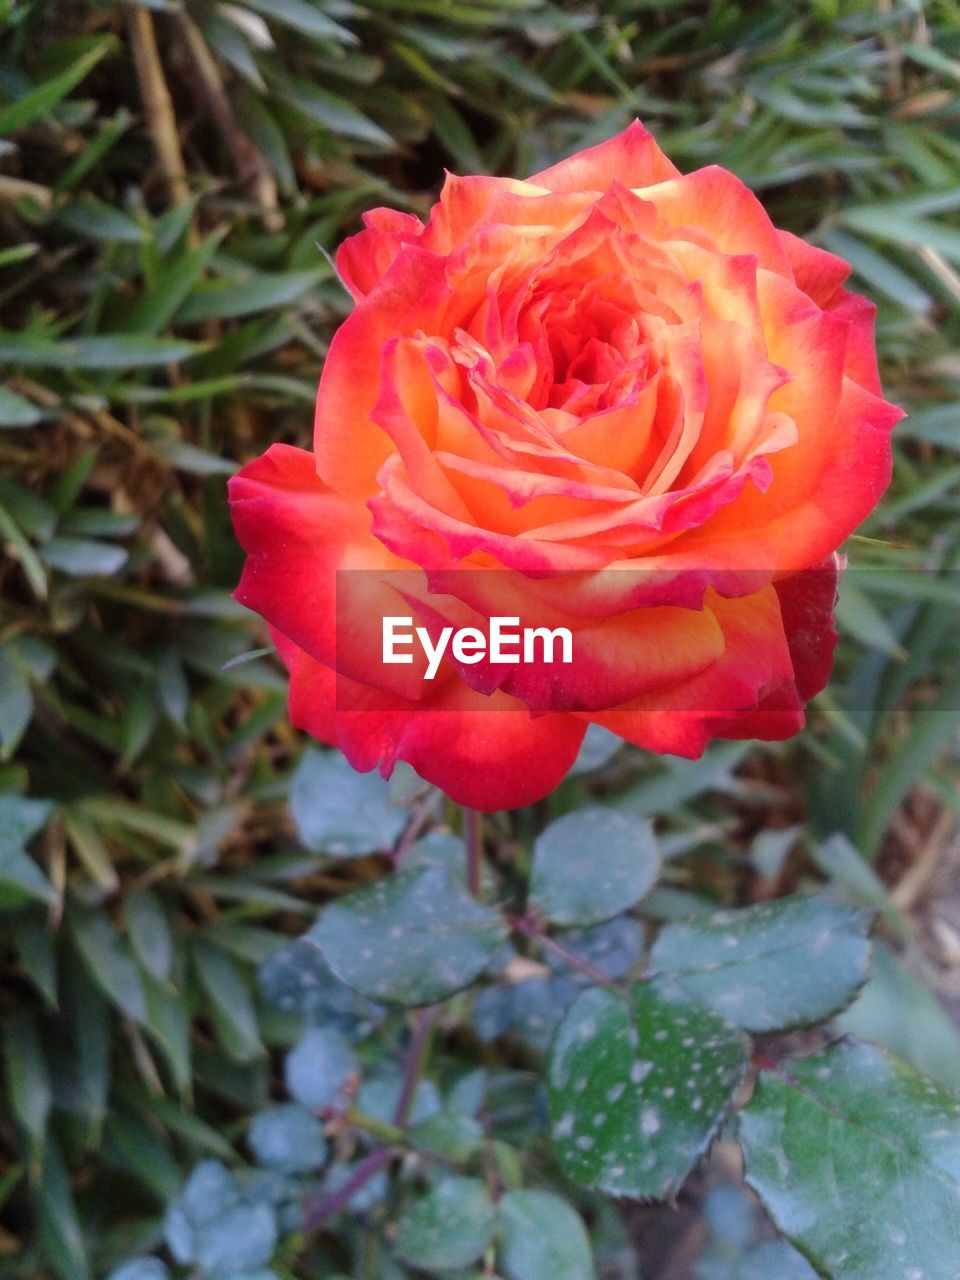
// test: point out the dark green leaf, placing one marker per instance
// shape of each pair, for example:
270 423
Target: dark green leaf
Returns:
454 1137
149 932
449 1228
60 1232
289 1138
99 221
41 100
109 962
28 1077
309 19
173 285
413 938
328 110
318 1069
639 1085
543 1236
775 965
21 880
230 1003
898 1009
233 298
118 351
856 1157
16 411
35 948
16 701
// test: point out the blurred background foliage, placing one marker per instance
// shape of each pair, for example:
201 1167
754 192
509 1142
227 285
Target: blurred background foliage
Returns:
172 178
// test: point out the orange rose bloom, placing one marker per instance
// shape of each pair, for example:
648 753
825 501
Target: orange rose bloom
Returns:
611 397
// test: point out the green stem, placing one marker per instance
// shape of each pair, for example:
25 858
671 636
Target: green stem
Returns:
382 1130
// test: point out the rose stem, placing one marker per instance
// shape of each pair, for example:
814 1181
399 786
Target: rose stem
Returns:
414 1063
524 925
473 836
322 1207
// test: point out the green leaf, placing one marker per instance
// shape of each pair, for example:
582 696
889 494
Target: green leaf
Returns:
21 880
16 411
341 812
110 964
149 932
238 1243
262 292
288 1138
879 272
61 1235
99 221
173 284
898 1010
28 1077
856 1157
328 110
35 948
639 1085
16 701
93 853
411 939
309 19
591 865
83 557
230 1003
929 734
319 1067
41 100
449 1228
116 351
902 228
168 1021
771 966
141 1269
543 1236
198 462
452 1137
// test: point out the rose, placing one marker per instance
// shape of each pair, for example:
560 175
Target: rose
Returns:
611 395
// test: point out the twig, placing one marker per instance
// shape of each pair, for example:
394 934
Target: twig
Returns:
414 1062
248 161
157 105
322 1207
319 1208
528 927
914 882
473 837
416 824
12 189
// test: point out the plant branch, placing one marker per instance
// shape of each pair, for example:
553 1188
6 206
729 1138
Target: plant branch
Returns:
247 160
530 929
473 837
157 106
416 824
414 1063
321 1207
382 1130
